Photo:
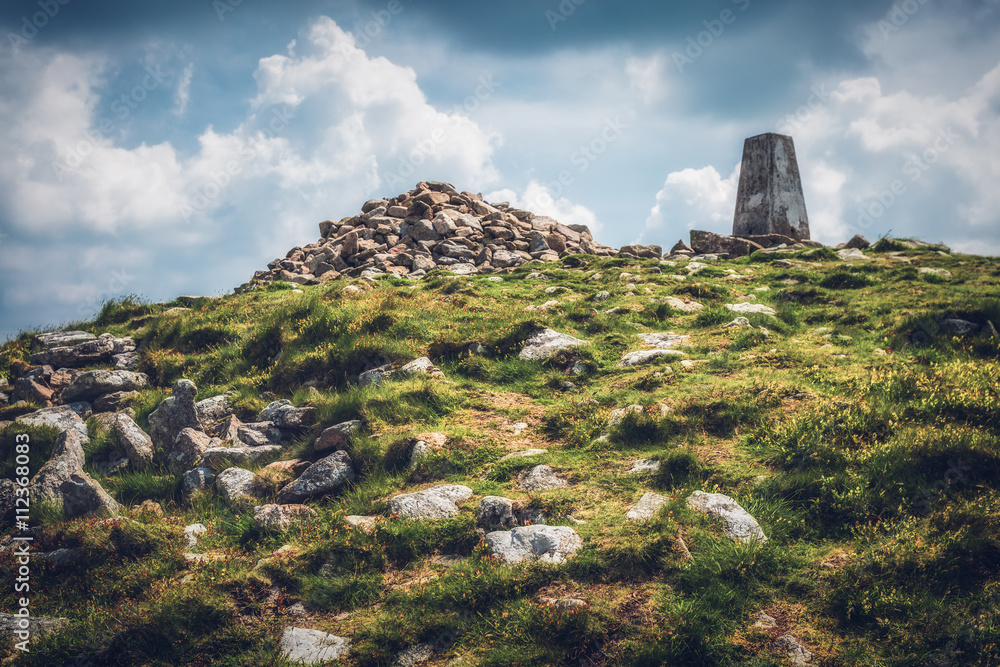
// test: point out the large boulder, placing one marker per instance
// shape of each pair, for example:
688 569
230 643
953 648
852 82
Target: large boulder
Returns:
706 243
92 384
312 647
176 413
326 475
63 417
545 344
737 523
64 338
439 502
132 440
189 447
549 544
62 481
100 351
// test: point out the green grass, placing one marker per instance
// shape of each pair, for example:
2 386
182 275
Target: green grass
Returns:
862 438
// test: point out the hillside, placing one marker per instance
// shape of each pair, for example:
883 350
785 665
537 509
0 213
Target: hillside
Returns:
851 418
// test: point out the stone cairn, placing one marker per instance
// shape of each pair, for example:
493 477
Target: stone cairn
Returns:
434 226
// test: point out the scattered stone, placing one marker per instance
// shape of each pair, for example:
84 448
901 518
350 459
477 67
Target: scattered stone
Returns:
37 626
235 484
282 414
280 517
377 376
857 242
365 523
214 458
188 448
646 356
176 413
212 410
647 507
958 327
549 544
325 476
133 441
62 417
114 401
853 255
798 653
737 523
683 305
750 308
62 481
414 655
64 338
192 533
565 603
525 453
707 242
738 322
643 466
663 340
439 502
764 621
198 479
337 437
312 647
602 296
544 344
542 478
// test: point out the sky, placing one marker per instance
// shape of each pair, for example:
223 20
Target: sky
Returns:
165 148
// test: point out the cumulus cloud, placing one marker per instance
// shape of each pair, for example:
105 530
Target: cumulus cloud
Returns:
646 75
692 199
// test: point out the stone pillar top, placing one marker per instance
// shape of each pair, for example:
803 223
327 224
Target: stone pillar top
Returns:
770 199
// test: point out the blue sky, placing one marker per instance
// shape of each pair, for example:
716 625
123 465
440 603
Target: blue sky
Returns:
167 148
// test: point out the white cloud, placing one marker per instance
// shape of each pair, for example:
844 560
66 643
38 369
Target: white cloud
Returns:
538 199
646 75
692 199
183 94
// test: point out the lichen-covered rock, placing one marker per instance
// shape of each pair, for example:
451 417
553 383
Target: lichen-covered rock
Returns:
747 308
215 458
647 356
542 478
62 481
134 442
87 353
337 437
439 502
235 484
280 517
92 384
176 413
62 417
198 479
312 647
737 523
325 476
189 447
284 415
546 343
646 508
549 544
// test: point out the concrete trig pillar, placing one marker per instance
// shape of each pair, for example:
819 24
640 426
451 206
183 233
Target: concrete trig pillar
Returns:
770 200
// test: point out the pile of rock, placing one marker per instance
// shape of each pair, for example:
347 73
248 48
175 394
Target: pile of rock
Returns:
709 243
432 226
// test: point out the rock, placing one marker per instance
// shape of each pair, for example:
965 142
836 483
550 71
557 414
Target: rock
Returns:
215 458
176 413
769 199
549 544
798 653
524 454
8 502
546 343
294 466
421 450
337 437
602 296
957 327
133 441
212 410
258 434
62 481
853 255
746 308
542 478
191 534
325 476
114 401
646 356
188 448
647 507
495 513
643 466
643 251
707 242
365 523
737 523
64 338
312 647
377 376
439 502
857 242
62 417
280 517
764 621
37 626
282 414
928 271
683 305
235 484
198 479
414 655
738 322
664 340
99 351
989 331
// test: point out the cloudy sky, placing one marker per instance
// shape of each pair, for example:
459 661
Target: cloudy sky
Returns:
162 148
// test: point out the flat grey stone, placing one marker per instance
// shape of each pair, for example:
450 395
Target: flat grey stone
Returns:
546 343
439 502
644 466
312 647
647 356
647 507
549 544
325 476
747 308
664 340
737 523
542 478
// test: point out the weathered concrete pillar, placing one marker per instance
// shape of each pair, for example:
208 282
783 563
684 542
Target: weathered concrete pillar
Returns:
769 200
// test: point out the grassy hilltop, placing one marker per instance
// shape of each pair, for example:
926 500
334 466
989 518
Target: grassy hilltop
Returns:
858 430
